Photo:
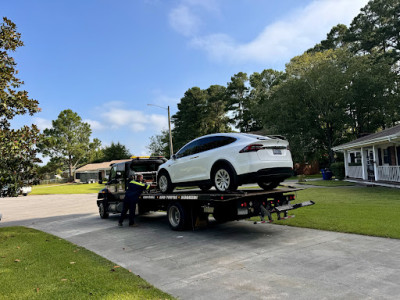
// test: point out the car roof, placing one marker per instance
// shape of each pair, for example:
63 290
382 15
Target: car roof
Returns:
237 135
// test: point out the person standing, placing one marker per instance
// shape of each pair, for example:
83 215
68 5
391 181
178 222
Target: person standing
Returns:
135 189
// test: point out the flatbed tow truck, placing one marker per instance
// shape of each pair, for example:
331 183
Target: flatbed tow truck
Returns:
189 209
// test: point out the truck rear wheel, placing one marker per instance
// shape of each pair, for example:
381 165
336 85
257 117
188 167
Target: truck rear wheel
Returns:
177 216
103 211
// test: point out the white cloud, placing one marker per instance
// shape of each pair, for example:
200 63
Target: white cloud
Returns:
94 125
42 123
135 120
184 21
288 37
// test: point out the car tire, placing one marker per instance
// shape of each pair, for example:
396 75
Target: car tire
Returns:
177 216
103 211
164 183
205 187
224 178
268 185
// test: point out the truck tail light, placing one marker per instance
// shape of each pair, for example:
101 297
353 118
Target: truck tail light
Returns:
291 197
251 148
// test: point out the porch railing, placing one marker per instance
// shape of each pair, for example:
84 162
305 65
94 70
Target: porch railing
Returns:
389 173
354 171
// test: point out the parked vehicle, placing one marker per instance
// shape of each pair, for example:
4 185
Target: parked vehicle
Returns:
226 161
25 190
114 192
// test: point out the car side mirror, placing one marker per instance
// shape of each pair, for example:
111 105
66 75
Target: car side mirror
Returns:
173 157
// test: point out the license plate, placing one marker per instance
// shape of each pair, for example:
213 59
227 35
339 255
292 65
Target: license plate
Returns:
277 151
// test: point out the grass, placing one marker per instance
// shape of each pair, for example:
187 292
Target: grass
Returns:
328 183
37 265
67 188
371 211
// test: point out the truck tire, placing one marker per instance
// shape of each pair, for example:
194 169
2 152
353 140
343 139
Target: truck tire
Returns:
268 185
103 211
164 183
224 178
177 217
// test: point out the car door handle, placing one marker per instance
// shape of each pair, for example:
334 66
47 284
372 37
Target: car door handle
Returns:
194 157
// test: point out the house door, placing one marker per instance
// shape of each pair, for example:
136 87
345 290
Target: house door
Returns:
370 165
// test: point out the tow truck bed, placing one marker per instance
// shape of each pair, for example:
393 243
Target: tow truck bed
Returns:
189 208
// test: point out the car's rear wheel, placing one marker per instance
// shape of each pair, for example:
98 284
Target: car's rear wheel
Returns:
224 179
164 183
268 185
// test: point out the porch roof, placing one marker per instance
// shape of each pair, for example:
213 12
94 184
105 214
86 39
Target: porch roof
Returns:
388 135
99 166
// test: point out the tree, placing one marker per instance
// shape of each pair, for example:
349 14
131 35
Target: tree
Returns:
309 106
262 85
376 29
335 39
115 152
215 114
159 144
189 122
238 92
69 140
17 146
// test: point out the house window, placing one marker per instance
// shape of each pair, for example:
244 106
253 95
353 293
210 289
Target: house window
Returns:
386 156
355 159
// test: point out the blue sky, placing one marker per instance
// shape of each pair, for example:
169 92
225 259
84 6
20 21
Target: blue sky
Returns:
106 60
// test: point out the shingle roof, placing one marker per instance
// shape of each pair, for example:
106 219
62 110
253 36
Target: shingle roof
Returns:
393 132
99 166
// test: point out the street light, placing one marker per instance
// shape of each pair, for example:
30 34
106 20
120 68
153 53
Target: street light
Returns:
171 149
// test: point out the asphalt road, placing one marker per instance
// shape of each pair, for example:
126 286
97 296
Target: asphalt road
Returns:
235 260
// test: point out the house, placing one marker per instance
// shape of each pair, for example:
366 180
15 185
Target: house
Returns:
95 172
374 158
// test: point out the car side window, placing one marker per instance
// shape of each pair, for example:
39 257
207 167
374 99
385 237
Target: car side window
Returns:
187 150
214 142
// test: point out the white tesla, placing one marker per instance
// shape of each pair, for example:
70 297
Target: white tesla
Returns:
226 161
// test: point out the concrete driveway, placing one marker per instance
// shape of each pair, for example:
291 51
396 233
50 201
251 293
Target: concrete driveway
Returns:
236 260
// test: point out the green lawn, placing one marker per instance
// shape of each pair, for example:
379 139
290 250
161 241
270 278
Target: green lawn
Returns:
328 183
36 265
371 211
67 188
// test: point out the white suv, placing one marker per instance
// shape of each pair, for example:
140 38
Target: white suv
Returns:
227 160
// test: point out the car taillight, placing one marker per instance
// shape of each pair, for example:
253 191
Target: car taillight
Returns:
251 148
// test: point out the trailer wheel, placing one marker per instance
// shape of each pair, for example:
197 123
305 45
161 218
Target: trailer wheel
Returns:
177 216
224 178
268 185
164 183
103 211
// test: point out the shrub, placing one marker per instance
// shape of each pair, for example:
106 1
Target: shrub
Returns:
338 170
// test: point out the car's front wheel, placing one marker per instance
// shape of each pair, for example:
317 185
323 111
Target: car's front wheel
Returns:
268 185
224 179
164 183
